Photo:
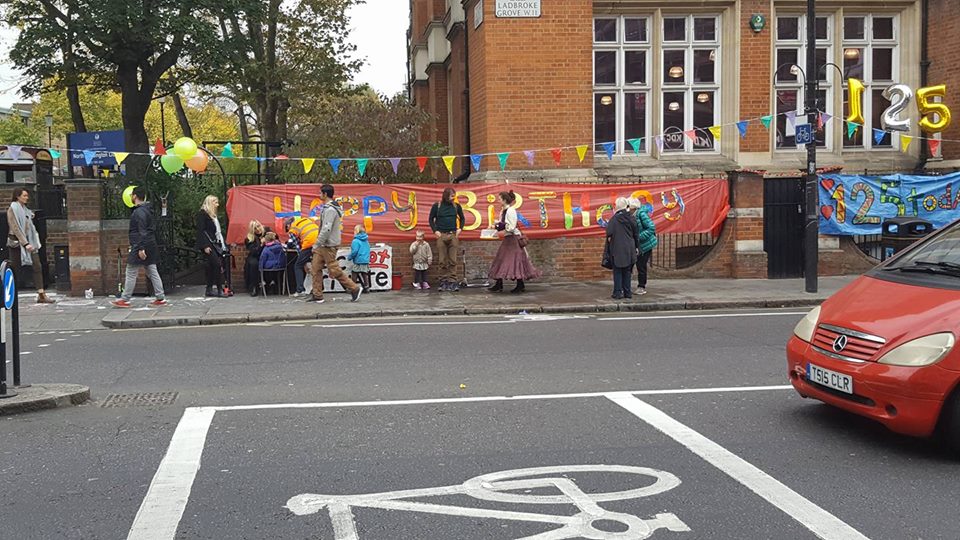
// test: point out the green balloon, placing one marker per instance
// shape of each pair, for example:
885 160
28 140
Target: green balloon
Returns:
185 148
171 163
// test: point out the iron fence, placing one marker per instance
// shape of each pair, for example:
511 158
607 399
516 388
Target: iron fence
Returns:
869 244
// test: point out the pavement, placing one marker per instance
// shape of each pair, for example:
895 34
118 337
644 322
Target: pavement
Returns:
188 307
37 397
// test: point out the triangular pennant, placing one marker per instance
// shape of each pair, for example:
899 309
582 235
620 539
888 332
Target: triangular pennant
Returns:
158 149
659 140
335 163
878 135
448 161
851 129
530 156
609 147
635 143
582 152
120 156
934 145
691 134
308 164
765 120
742 126
716 130
55 154
905 141
823 119
260 159
475 160
106 173
791 121
395 163
422 162
362 165
557 155
88 156
282 156
227 151
503 159
14 151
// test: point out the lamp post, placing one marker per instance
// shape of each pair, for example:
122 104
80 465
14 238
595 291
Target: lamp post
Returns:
163 125
48 120
811 234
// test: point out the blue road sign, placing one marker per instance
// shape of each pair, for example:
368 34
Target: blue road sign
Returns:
9 289
804 134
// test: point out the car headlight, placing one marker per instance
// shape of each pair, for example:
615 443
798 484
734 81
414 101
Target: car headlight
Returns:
921 351
808 325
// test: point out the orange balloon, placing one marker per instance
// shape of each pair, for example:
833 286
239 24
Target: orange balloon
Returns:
199 161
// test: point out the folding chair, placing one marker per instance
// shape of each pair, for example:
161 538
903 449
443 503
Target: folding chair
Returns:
282 287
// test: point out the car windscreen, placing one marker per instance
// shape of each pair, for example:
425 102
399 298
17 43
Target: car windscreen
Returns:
934 262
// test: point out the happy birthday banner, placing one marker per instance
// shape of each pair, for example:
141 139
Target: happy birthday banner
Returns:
394 212
856 204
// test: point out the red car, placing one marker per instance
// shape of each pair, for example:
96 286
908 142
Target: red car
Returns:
883 346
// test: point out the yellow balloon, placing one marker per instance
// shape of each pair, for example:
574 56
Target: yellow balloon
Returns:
928 108
185 148
128 196
855 93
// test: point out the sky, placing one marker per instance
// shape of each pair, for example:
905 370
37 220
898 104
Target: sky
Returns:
378 28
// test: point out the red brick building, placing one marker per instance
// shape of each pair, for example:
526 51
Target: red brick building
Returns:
511 75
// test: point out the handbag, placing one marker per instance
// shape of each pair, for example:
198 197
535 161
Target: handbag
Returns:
606 260
522 240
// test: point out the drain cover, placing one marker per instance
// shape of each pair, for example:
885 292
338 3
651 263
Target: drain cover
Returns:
144 399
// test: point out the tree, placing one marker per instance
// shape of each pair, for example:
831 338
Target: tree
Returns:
14 131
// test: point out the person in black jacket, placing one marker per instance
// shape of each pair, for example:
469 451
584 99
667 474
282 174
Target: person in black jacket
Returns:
446 221
143 251
251 267
622 236
210 243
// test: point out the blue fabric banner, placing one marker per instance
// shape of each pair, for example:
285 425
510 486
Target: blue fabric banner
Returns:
856 204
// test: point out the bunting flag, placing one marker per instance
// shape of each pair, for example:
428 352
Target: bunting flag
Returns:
395 163
260 159
659 140
823 119
503 159
475 160
582 152
159 150
106 173
422 162
635 143
934 146
335 163
791 121
878 135
227 151
530 156
742 126
120 156
88 156
282 156
691 134
14 151
905 141
609 147
448 161
765 120
55 154
557 155
307 164
362 165
851 129
716 130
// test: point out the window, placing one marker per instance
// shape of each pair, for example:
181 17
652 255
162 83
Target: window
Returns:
690 82
621 81
791 58
870 53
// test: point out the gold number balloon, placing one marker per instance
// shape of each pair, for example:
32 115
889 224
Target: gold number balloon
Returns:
855 93
928 108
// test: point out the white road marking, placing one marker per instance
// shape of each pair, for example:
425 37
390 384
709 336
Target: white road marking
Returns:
706 316
25 352
822 523
161 510
412 323
43 345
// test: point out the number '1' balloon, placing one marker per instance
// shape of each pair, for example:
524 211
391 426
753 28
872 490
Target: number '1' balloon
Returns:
855 92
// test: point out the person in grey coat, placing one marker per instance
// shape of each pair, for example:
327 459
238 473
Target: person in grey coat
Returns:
622 237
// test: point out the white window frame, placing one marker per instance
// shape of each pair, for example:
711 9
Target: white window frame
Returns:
689 88
868 43
830 74
620 88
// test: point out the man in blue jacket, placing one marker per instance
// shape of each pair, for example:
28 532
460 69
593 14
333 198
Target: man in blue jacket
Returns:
143 251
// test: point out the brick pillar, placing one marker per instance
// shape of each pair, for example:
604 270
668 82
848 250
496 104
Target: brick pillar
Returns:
746 221
84 231
755 73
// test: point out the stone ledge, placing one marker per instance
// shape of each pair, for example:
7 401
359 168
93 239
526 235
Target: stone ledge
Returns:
44 396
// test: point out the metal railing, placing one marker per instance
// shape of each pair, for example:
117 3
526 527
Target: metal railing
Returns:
870 245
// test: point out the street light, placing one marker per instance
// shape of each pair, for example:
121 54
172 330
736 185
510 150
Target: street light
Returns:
163 125
811 227
48 120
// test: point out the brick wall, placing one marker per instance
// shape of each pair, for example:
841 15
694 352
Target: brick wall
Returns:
476 43
755 59
944 60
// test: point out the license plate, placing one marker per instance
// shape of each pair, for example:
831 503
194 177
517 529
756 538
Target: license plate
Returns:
830 379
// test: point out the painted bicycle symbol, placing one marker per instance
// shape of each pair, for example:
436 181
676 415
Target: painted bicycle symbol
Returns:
502 487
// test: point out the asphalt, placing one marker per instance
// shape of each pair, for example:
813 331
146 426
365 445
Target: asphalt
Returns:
188 306
83 472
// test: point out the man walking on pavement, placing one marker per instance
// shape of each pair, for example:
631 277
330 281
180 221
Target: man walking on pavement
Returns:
325 249
143 251
446 221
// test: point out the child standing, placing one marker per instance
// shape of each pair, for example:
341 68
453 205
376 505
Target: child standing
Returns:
360 257
422 257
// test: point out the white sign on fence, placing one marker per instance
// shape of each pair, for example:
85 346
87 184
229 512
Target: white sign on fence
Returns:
518 8
478 14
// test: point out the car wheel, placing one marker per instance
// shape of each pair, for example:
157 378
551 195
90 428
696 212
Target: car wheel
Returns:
950 421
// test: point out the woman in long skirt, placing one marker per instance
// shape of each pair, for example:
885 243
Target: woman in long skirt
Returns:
511 261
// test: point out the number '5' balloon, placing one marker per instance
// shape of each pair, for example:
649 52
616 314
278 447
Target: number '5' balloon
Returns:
899 95
928 108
